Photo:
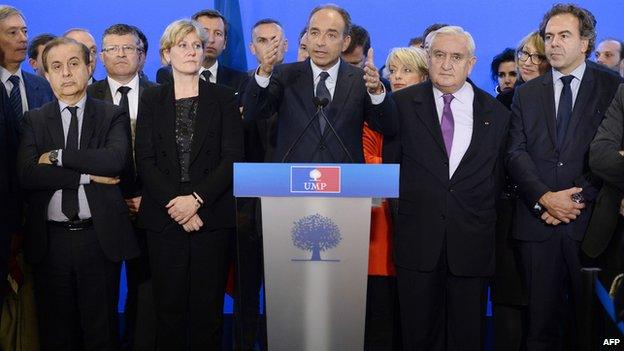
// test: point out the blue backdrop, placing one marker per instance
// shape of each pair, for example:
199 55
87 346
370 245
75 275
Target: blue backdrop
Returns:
494 24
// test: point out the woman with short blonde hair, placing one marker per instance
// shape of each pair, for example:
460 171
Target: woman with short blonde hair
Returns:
189 134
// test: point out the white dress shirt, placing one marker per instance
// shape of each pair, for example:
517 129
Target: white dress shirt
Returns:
462 109
575 84
133 97
5 75
55 212
213 72
330 82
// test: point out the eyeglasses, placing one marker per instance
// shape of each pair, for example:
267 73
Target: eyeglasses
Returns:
535 58
126 49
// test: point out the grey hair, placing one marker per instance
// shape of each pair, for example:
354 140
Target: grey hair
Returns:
452 30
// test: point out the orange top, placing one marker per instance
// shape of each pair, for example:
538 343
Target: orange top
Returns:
380 249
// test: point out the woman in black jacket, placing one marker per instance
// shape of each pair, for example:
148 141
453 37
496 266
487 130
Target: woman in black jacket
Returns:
188 136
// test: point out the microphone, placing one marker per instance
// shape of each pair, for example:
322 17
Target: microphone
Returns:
321 111
321 102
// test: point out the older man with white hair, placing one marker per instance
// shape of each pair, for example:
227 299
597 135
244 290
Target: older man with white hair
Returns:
452 141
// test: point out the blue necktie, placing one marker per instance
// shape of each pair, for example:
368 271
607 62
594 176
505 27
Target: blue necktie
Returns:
323 92
564 111
15 97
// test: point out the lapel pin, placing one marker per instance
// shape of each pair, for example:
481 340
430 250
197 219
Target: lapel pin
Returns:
487 123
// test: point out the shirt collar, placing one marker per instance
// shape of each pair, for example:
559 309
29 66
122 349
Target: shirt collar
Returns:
80 104
577 73
333 70
213 69
5 74
114 85
462 95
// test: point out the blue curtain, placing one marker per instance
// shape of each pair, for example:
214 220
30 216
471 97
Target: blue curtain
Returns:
234 55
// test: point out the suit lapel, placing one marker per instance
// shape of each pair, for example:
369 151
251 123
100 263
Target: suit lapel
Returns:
427 113
55 126
586 90
203 120
304 87
481 121
32 92
88 124
344 82
166 120
548 104
107 94
223 77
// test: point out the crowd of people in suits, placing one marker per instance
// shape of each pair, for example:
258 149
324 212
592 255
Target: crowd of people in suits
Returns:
516 192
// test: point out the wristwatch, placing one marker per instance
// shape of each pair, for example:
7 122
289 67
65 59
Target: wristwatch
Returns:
53 157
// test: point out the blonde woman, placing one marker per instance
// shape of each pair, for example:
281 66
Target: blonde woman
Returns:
189 134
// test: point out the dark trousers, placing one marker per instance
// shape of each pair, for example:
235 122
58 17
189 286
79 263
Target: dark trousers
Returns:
139 331
189 272
382 331
76 289
248 263
441 311
509 298
553 280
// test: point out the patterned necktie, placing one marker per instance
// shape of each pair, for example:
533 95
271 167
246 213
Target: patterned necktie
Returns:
447 124
15 97
323 92
564 111
207 74
69 202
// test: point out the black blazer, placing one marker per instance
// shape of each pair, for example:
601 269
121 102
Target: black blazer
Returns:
217 144
606 162
290 94
130 183
434 209
533 160
103 148
227 76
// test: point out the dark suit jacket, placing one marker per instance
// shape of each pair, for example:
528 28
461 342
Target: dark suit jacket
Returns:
433 209
227 76
606 162
7 215
217 144
130 184
103 149
290 94
533 159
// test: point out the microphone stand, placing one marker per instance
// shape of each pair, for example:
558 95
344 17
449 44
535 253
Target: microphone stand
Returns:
320 104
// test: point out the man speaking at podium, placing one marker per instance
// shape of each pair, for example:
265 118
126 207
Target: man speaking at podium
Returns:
304 93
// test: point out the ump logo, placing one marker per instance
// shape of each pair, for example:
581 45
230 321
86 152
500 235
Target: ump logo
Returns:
315 233
315 179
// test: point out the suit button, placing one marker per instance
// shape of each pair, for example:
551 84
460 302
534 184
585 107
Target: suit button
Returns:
164 153
559 164
206 171
322 148
442 217
166 171
451 190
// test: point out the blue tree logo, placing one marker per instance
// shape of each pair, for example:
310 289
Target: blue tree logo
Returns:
315 233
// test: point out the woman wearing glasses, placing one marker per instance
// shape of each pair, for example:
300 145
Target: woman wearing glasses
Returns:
509 297
189 133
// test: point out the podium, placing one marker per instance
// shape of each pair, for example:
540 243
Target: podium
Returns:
316 231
